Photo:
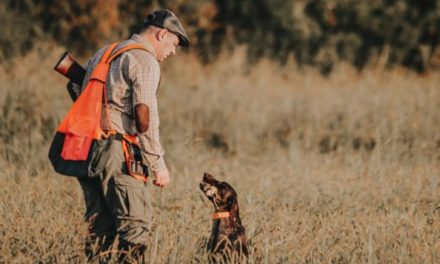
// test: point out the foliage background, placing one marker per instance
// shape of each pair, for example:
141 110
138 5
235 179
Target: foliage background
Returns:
312 32
342 168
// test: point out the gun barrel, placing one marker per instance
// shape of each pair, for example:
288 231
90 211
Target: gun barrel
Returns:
70 68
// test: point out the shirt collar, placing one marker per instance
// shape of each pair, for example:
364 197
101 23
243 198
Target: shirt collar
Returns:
137 38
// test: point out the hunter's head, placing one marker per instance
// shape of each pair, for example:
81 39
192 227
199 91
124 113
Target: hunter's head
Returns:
165 32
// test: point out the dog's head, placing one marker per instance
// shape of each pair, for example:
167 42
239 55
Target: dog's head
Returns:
221 194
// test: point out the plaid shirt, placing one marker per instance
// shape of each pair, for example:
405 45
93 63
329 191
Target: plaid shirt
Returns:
133 79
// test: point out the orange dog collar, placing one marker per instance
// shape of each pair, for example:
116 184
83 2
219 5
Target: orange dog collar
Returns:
218 215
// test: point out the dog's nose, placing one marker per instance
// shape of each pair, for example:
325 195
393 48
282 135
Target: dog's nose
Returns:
206 176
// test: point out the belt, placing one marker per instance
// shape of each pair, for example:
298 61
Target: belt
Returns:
134 164
118 137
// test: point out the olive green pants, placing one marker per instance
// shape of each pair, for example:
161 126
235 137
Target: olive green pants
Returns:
117 206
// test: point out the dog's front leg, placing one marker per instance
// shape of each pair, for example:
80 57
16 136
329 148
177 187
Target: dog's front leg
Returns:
212 243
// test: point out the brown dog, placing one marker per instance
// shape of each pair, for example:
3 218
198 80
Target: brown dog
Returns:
228 234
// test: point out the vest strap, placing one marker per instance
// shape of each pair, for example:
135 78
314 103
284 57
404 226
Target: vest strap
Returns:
101 71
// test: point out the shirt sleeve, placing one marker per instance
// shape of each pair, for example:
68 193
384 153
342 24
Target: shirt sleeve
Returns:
145 78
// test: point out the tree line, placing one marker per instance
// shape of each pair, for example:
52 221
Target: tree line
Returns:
318 33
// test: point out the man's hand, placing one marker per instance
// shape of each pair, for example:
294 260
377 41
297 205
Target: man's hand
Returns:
161 178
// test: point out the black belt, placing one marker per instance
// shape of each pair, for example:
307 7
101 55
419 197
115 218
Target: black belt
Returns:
118 137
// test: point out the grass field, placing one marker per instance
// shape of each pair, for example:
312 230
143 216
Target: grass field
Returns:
344 169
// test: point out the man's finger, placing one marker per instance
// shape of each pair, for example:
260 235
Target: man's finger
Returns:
163 183
158 181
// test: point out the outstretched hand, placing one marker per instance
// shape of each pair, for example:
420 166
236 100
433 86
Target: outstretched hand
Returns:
161 178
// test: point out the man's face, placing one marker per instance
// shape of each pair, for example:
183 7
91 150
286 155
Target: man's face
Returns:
167 44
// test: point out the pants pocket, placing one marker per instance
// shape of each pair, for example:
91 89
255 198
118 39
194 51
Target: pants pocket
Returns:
133 197
107 159
131 208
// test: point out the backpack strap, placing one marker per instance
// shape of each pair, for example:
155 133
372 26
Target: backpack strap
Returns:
124 49
108 52
101 70
104 65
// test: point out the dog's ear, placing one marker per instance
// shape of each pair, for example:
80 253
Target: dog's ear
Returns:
233 205
231 199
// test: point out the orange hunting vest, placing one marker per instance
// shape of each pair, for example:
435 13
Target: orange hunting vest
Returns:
82 124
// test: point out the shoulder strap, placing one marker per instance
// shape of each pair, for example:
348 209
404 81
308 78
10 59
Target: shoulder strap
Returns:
124 49
105 64
99 73
108 52
101 70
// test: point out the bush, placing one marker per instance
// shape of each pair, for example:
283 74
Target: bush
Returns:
315 32
19 30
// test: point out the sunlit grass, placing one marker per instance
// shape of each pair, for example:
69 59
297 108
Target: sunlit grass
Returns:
337 170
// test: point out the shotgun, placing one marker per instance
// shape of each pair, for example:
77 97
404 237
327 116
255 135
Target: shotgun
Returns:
70 68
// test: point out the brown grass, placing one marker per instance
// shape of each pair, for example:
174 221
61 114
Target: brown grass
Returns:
337 170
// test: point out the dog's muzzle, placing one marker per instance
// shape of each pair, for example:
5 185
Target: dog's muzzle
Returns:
208 189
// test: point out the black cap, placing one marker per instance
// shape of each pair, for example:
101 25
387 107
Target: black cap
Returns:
164 18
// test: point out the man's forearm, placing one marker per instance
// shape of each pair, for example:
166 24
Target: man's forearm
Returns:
152 150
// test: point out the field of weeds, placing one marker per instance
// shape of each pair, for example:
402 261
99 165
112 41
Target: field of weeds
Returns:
344 169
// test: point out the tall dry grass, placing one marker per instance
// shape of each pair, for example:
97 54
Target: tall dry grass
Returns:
328 170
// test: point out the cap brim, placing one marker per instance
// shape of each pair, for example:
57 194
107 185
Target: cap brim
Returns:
184 42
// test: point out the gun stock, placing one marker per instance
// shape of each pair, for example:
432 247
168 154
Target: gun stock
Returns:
70 68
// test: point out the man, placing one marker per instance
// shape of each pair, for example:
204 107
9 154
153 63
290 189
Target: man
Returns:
118 205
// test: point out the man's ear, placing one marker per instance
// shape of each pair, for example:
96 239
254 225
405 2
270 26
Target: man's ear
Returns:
161 34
